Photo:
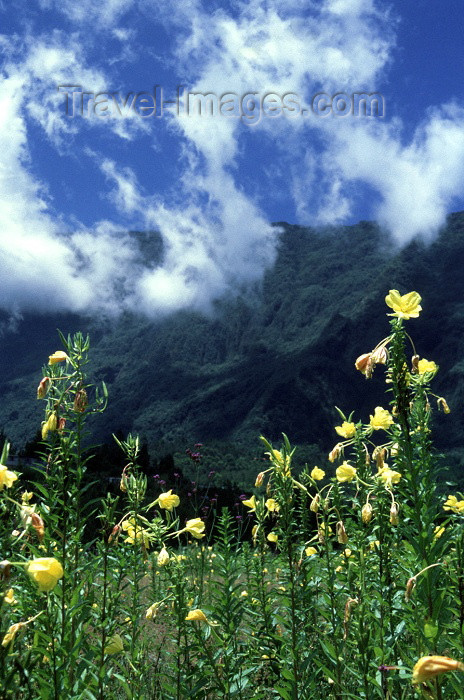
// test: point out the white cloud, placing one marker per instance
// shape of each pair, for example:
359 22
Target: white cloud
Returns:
216 237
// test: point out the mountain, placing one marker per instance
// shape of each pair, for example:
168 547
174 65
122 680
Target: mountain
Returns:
276 358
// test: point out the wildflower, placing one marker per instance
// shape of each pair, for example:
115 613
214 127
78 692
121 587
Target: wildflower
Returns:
152 611
199 615
114 645
163 557
250 503
430 666
438 532
345 472
317 474
272 537
388 476
7 477
346 430
58 356
44 386
406 306
366 513
424 366
244 594
310 551
168 500
46 572
453 504
9 597
272 505
381 419
135 533
194 527
11 633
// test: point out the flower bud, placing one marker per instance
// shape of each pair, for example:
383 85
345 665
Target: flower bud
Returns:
415 363
114 533
44 386
259 480
380 355
5 568
443 405
364 364
411 584
342 537
366 513
80 401
379 456
336 452
314 507
394 514
38 525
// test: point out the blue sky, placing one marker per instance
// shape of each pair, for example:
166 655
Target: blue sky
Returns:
71 186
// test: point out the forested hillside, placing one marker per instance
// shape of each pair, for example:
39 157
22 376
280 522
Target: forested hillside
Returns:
275 359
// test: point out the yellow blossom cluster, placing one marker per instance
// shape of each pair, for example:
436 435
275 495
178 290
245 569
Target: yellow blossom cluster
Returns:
454 505
135 533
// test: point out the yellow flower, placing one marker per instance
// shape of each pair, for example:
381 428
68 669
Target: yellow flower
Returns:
346 430
46 572
114 645
194 527
424 366
430 666
317 474
406 306
7 478
453 504
11 633
388 476
50 425
272 537
58 356
135 533
381 419
9 597
250 503
163 557
272 505
310 551
345 472
438 532
168 500
152 611
197 614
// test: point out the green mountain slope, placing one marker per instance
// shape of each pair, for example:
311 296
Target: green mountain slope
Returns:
277 358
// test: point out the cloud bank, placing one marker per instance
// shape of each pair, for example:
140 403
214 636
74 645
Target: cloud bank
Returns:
213 222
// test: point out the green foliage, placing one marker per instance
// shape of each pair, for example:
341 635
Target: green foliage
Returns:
350 583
